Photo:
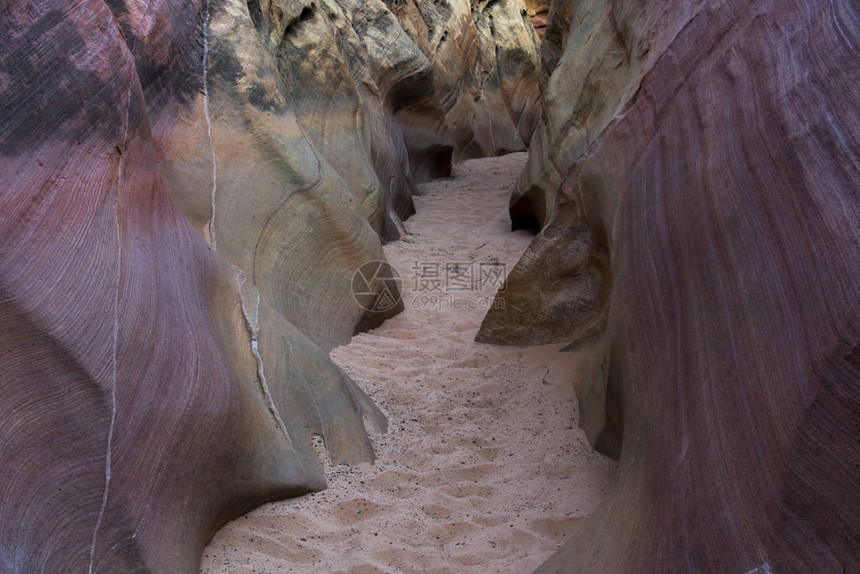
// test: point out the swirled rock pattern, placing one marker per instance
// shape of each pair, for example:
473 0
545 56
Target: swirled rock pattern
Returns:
393 75
150 390
696 177
490 97
148 394
188 188
245 157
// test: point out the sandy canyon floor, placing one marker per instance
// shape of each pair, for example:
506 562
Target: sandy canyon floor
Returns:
483 468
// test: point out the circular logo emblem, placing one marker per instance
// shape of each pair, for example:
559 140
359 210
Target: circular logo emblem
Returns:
376 286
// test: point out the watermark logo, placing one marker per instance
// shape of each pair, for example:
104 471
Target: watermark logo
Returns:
435 285
437 276
442 302
376 286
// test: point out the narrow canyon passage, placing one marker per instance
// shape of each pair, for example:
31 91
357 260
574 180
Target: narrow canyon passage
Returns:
189 189
483 468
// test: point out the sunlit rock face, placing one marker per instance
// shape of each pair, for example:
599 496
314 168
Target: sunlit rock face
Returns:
490 97
695 178
538 10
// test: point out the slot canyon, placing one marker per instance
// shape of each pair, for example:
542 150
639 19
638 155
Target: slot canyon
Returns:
380 286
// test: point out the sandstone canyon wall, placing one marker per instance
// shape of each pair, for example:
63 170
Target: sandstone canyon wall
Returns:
484 60
187 189
695 179
149 391
245 153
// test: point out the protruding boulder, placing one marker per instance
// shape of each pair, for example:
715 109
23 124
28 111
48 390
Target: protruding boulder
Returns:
558 291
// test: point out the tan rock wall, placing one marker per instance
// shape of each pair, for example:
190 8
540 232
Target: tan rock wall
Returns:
490 96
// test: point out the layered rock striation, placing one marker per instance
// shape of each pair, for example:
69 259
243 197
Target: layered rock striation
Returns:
149 392
694 183
247 155
188 188
484 60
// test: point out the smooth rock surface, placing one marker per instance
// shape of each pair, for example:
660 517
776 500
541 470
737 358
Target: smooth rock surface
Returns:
188 189
709 152
485 63
235 155
403 85
149 392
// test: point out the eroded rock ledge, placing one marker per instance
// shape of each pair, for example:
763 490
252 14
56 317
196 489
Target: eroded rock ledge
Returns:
694 182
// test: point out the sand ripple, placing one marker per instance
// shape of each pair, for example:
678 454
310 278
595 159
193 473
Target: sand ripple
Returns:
483 468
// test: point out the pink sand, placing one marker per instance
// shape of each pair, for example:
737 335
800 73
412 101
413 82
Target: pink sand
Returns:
484 468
